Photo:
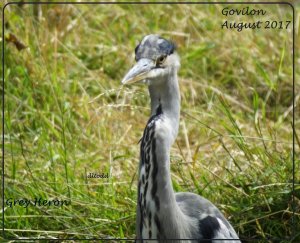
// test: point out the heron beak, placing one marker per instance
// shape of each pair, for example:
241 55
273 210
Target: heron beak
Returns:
140 71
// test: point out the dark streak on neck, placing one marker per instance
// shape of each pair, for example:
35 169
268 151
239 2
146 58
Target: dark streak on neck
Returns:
159 109
158 112
148 145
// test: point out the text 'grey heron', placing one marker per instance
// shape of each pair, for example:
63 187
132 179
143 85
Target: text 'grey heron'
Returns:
161 213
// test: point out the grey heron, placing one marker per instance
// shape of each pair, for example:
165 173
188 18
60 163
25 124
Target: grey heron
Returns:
161 213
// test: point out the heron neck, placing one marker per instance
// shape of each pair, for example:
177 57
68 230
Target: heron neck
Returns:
167 95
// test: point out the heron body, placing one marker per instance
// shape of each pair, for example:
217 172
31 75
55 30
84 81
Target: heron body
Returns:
162 214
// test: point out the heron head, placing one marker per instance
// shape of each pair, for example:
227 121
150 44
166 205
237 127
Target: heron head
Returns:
155 59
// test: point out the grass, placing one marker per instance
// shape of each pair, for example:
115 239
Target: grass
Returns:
66 114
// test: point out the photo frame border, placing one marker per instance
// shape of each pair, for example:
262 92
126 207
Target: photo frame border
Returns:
147 3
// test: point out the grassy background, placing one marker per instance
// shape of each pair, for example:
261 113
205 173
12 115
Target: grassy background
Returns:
66 114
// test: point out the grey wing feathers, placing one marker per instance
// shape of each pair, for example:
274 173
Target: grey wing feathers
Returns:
212 223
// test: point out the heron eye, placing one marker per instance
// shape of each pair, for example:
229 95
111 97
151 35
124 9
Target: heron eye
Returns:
160 60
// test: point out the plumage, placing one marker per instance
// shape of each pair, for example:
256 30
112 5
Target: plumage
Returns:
161 213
